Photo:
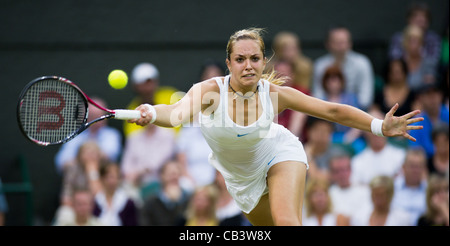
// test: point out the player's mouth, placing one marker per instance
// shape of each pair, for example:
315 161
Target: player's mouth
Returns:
251 75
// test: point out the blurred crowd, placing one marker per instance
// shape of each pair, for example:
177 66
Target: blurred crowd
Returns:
161 176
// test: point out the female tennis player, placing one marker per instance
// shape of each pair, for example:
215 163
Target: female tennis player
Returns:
263 164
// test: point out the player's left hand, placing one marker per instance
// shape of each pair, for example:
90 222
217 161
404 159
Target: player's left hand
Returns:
399 126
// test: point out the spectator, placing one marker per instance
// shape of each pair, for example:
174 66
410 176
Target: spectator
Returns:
3 205
356 67
83 175
211 69
287 48
346 197
418 15
439 162
333 84
437 213
144 154
227 211
167 206
113 206
83 205
381 213
421 69
145 82
396 89
378 158
107 138
318 147
319 207
291 119
433 112
201 209
410 187
192 149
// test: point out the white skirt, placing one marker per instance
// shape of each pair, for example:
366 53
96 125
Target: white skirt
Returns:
284 146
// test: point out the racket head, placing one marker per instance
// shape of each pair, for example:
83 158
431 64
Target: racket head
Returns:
51 110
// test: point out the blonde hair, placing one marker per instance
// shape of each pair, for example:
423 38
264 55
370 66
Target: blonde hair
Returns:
212 194
255 34
412 31
311 186
435 184
383 182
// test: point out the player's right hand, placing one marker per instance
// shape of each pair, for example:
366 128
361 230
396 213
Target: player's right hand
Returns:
146 116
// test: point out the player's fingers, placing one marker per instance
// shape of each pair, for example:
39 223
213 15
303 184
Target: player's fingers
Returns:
414 120
411 114
414 128
406 135
393 110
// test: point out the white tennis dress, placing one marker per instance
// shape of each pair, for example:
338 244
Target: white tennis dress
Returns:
244 154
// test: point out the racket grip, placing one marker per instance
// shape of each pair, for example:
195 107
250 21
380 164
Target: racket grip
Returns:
123 114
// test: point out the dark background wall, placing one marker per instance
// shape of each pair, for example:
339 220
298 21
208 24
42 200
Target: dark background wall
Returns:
85 40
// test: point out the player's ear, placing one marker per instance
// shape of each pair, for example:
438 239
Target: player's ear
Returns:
227 61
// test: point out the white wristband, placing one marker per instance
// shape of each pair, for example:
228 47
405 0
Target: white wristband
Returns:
152 111
377 127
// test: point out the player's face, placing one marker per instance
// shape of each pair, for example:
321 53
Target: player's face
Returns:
246 63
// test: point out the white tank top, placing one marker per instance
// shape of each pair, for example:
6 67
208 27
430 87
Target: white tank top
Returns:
244 154
240 149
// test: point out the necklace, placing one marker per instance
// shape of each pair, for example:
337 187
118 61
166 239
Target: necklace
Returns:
243 96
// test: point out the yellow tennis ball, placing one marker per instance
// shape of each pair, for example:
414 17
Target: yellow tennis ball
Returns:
117 79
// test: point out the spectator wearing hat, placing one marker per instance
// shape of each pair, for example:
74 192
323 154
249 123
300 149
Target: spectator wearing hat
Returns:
434 112
145 82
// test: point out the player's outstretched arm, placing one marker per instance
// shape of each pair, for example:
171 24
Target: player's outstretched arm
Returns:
347 115
197 98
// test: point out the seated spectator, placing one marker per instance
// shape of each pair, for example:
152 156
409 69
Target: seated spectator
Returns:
201 209
438 164
421 70
319 207
227 211
113 206
107 138
318 147
396 89
144 154
437 213
168 204
410 187
83 205
346 197
433 112
333 84
378 158
356 67
83 175
291 119
381 213
419 15
287 47
211 69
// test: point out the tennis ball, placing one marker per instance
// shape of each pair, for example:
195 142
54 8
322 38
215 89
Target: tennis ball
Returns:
117 79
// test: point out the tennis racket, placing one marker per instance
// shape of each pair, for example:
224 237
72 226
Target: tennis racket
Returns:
53 110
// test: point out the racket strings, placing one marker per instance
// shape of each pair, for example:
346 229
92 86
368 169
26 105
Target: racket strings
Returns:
51 111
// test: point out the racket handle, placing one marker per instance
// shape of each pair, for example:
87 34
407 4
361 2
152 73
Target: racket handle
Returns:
123 114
